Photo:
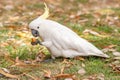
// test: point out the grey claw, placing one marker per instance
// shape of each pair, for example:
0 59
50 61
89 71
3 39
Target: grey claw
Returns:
36 42
39 42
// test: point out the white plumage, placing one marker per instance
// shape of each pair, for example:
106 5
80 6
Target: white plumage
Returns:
62 41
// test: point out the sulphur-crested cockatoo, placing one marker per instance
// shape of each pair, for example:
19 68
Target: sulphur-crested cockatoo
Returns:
60 40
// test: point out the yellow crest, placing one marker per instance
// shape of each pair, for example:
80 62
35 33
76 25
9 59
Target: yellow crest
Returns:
46 12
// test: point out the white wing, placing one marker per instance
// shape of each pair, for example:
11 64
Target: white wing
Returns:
64 38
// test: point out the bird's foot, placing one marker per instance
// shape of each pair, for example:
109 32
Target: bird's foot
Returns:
35 41
49 60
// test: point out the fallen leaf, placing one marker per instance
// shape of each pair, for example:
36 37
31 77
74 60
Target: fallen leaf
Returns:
116 62
4 44
116 58
14 18
1 25
40 57
83 65
81 71
47 74
34 78
62 70
116 54
9 7
85 79
80 58
5 70
65 76
75 16
99 76
23 64
68 79
111 46
115 68
107 11
8 58
83 20
8 74
24 35
86 31
67 62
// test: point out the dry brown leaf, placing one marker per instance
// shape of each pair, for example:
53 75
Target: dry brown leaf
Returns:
15 18
115 68
12 27
62 70
8 58
4 44
116 54
1 24
116 62
40 57
67 62
68 79
75 16
22 64
9 7
65 76
8 75
34 78
85 79
111 46
108 11
83 20
47 74
116 58
5 70
79 58
86 31
81 71
83 65
24 34
108 50
99 76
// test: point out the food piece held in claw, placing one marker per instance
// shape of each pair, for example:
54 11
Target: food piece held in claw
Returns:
35 41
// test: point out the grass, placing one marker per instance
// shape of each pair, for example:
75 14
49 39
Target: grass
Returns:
93 65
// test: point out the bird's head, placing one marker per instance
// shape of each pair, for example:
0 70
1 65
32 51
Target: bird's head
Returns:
35 24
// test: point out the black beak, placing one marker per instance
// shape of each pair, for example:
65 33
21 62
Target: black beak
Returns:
35 33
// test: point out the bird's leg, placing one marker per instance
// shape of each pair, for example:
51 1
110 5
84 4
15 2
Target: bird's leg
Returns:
50 59
53 57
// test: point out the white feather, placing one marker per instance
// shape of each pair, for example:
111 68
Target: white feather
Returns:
62 41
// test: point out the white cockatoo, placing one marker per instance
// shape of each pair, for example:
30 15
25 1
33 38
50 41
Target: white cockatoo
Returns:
60 40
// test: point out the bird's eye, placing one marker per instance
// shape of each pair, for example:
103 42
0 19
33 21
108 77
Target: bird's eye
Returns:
38 27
